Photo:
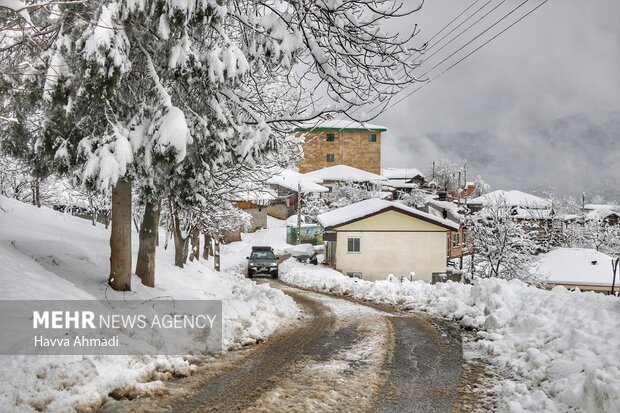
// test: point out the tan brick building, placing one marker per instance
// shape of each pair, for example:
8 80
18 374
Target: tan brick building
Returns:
341 143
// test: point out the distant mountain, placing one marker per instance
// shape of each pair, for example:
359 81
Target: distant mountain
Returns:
571 155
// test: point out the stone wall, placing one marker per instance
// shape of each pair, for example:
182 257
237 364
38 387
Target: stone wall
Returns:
350 147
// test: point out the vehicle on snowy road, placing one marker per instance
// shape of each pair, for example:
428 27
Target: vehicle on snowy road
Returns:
305 253
262 260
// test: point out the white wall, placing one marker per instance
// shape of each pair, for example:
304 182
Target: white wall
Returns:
392 243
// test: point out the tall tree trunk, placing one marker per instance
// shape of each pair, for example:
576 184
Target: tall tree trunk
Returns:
181 244
206 251
145 266
36 193
120 237
195 240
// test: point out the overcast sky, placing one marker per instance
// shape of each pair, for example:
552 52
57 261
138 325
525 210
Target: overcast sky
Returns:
561 61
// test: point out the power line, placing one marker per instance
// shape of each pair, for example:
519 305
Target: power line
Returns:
464 31
387 104
391 105
468 55
318 122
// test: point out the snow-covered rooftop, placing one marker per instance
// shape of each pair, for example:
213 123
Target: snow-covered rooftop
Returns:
344 173
292 180
400 184
511 198
401 173
340 124
532 214
600 213
372 206
592 207
254 195
576 266
451 208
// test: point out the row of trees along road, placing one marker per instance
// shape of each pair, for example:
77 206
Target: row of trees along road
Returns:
176 102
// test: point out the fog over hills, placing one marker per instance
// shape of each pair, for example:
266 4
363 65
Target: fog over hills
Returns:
569 155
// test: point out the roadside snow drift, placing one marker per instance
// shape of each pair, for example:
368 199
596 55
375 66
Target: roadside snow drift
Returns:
46 255
561 347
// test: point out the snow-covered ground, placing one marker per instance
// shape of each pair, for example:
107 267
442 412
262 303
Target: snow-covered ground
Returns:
45 254
561 348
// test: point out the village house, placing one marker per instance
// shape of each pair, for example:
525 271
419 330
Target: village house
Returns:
287 184
253 202
338 174
603 215
583 268
374 238
402 180
510 199
341 142
459 244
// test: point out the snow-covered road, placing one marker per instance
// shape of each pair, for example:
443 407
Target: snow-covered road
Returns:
343 356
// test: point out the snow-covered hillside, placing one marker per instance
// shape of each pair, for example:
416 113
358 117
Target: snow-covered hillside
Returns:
562 348
48 255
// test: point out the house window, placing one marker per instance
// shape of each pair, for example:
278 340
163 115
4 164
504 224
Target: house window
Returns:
456 240
330 157
353 244
331 137
372 137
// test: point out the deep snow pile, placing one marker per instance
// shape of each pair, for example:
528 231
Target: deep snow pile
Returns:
562 347
48 255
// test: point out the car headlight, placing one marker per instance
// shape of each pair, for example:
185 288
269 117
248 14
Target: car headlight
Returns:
273 264
252 265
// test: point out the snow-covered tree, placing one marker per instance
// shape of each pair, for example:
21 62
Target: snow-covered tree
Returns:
445 174
480 187
595 233
340 195
164 95
416 198
502 247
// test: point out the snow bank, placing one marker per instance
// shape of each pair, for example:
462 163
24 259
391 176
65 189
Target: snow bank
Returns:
45 254
562 348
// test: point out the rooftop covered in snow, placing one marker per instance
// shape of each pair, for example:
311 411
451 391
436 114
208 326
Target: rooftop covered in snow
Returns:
592 207
294 181
401 173
373 206
601 213
576 266
344 173
340 124
511 198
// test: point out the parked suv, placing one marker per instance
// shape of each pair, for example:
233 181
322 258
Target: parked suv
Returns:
262 261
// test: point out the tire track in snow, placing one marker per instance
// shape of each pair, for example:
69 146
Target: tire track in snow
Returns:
348 356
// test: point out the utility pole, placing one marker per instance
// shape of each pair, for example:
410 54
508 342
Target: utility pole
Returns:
216 249
298 213
583 201
614 267
466 187
458 199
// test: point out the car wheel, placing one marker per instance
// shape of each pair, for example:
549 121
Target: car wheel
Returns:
315 260
250 274
274 275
